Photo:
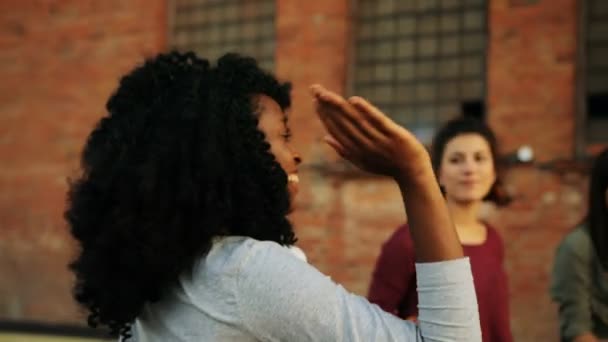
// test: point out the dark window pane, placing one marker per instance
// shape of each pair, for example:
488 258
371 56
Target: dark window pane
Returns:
450 22
472 66
421 60
383 72
450 4
474 20
449 90
427 47
598 56
425 92
449 68
406 26
428 24
426 69
598 31
472 90
405 71
450 45
215 27
405 48
474 42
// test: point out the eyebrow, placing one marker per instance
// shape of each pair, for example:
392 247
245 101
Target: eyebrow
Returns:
475 152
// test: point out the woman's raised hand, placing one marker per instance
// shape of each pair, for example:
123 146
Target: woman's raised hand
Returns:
362 134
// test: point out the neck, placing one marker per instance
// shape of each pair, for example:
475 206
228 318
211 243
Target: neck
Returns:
464 215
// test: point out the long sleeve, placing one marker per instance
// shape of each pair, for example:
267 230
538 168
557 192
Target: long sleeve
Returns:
393 274
280 298
570 285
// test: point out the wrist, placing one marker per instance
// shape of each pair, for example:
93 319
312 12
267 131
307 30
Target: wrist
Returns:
416 173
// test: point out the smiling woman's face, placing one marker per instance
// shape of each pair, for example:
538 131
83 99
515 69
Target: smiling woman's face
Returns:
467 169
273 123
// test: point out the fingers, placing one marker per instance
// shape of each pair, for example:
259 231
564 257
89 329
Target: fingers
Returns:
375 116
331 141
338 134
346 117
323 94
379 120
340 128
343 152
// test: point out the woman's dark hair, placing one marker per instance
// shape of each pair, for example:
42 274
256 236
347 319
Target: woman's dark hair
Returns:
177 161
597 217
465 125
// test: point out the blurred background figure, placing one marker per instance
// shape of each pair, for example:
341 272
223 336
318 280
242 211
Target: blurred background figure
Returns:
580 279
465 159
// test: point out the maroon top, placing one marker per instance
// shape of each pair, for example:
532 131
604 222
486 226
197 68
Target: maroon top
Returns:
393 285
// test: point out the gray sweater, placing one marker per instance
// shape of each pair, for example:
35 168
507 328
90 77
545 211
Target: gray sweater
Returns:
579 285
249 290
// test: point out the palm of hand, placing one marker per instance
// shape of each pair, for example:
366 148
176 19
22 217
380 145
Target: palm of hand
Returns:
365 136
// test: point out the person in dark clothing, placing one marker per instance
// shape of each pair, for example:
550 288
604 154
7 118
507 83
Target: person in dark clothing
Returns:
579 281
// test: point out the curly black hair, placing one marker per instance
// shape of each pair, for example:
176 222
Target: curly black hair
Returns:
177 161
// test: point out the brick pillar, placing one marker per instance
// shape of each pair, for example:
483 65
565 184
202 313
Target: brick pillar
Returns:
312 42
531 75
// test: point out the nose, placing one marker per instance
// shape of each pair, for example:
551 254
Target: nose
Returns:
297 158
469 166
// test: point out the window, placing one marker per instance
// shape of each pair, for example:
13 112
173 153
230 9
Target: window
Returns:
596 71
421 61
214 27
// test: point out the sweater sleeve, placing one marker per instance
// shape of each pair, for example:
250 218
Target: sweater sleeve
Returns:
393 272
570 285
280 298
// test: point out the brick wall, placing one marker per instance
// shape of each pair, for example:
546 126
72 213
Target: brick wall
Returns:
59 61
531 79
59 68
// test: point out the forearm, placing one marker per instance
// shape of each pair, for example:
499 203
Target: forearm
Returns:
431 227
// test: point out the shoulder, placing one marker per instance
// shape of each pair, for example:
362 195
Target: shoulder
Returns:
248 250
268 259
577 243
230 255
400 238
399 246
492 232
298 252
494 238
270 272
577 238
572 261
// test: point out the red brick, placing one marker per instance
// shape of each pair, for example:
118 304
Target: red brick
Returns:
59 61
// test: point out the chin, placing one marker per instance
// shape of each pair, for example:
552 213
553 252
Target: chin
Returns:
468 198
292 202
292 207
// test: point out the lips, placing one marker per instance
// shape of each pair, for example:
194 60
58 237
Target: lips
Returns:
468 183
